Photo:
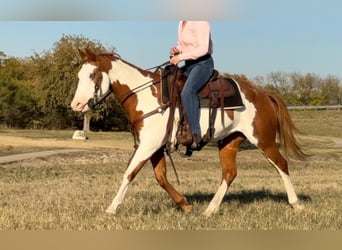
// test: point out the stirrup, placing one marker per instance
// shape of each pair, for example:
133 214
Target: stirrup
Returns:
187 154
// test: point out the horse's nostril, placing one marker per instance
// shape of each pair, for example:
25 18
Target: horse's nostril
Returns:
75 106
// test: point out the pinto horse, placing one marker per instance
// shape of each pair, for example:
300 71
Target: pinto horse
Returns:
263 118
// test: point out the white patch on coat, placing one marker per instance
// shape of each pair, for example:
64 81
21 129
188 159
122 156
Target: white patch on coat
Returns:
135 80
291 194
242 122
217 199
154 127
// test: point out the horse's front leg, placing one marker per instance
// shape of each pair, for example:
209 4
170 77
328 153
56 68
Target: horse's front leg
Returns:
159 166
133 168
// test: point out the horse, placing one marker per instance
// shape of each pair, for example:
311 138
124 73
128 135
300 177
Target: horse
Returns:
263 120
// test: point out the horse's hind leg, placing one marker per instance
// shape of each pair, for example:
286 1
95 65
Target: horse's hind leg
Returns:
228 151
159 166
277 160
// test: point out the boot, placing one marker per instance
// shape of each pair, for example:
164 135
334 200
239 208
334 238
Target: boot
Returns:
196 139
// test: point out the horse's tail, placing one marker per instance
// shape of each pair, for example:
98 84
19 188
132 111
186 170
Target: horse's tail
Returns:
286 129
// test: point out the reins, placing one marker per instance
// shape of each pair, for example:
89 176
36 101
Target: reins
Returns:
159 66
137 89
93 102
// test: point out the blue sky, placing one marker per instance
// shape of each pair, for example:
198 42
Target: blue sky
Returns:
251 37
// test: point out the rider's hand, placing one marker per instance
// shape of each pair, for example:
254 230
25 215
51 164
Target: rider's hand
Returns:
174 60
174 51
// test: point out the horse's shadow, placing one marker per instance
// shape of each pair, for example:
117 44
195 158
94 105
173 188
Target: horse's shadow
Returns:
246 197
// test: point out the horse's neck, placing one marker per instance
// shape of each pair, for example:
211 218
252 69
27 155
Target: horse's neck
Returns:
127 74
132 88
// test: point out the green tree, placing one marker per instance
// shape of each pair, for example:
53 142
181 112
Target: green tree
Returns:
56 81
17 105
37 91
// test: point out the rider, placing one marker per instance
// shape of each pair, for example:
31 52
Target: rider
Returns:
194 47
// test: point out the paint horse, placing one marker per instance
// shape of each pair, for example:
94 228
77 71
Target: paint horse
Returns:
263 118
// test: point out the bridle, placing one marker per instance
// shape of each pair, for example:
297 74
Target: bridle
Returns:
98 97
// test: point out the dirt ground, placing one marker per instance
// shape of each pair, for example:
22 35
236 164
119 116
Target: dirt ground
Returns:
58 146
46 147
56 143
338 142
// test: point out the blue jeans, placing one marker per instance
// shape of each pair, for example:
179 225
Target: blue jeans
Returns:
198 73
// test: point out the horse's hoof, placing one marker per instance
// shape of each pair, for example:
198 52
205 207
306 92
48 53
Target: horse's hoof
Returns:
187 208
111 211
209 212
298 206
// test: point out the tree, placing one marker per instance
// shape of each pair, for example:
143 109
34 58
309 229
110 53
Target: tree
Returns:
280 83
303 89
306 88
40 88
17 105
57 79
2 58
330 91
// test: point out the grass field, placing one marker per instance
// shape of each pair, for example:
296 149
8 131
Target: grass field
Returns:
72 191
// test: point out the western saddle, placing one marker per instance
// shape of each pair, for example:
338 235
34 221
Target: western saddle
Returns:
219 93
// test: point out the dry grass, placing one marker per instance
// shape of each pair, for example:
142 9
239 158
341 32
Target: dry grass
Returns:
326 123
72 191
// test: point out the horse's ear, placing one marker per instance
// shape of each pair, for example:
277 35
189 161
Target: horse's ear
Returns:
91 54
82 54
87 55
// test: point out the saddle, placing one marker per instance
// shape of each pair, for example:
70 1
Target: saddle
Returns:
219 92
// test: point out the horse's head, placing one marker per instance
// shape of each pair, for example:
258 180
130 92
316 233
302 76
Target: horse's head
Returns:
92 82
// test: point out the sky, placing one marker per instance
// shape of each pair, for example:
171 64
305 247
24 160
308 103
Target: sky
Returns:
251 37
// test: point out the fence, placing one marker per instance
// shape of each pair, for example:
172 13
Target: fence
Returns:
327 107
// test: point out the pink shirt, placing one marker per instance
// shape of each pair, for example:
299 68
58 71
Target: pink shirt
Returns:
194 39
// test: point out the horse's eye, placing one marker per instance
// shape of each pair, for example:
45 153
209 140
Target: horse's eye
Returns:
92 76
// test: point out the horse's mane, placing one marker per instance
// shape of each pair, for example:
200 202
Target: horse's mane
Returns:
243 80
110 55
